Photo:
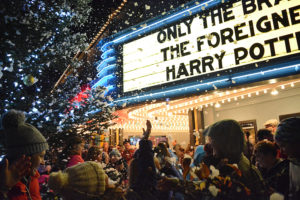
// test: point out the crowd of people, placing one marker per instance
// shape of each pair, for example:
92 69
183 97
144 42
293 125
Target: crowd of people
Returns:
228 166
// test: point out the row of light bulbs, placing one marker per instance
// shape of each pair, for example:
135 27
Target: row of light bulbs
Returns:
166 116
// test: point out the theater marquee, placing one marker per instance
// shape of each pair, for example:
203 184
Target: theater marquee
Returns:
229 36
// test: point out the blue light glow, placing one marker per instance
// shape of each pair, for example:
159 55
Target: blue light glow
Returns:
103 81
108 53
105 69
164 21
226 81
105 62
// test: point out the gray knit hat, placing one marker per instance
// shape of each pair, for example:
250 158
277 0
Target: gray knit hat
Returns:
21 138
288 130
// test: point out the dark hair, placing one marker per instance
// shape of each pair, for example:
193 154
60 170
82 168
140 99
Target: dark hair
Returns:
126 141
289 130
228 137
263 134
71 142
208 149
266 147
93 153
186 161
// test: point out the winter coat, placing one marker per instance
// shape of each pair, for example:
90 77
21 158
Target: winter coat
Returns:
19 191
74 160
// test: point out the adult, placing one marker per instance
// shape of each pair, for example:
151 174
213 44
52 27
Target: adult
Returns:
94 154
288 139
264 134
271 125
74 149
273 169
128 152
228 141
25 147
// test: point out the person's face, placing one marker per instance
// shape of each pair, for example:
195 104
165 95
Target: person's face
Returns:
114 158
271 128
78 148
290 149
264 160
127 146
179 151
36 160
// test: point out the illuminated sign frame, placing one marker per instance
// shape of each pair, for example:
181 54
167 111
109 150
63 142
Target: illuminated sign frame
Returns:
110 70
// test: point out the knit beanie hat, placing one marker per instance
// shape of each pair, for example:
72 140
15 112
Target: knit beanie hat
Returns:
21 138
114 152
84 180
228 136
288 130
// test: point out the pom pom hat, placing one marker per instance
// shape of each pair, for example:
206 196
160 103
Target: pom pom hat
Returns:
21 138
83 180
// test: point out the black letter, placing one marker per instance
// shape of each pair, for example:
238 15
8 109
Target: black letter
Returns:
172 71
298 39
171 32
260 2
217 14
199 42
284 20
287 41
294 15
238 31
217 40
176 49
207 61
220 58
226 37
236 54
164 50
159 39
195 64
182 70
260 53
267 27
271 43
226 12
188 25
183 49
248 4
179 31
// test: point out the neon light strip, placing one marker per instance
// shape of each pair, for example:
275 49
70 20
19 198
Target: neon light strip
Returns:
107 53
189 11
103 80
177 89
105 62
262 72
103 70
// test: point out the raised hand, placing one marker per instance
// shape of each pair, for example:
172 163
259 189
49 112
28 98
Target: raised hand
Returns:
12 174
148 130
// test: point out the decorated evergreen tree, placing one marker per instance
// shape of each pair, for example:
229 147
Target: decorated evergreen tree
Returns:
38 40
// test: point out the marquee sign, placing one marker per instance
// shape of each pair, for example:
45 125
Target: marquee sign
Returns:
222 38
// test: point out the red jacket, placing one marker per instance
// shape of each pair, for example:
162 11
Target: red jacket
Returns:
18 192
74 160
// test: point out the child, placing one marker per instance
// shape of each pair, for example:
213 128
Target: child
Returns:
26 148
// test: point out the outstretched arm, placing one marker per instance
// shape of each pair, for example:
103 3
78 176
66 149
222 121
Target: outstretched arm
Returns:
146 133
